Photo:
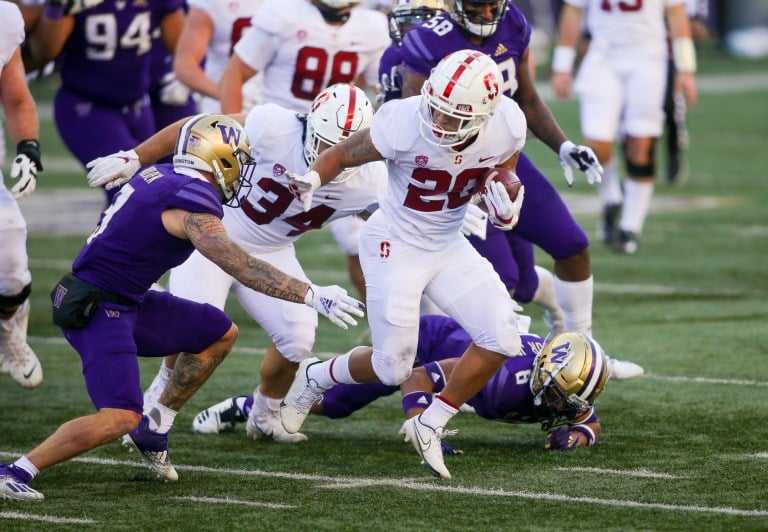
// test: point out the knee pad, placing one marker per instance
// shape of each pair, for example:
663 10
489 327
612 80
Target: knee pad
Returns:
294 351
391 372
9 304
635 170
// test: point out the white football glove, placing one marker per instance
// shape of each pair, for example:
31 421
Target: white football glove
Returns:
581 157
113 170
25 167
173 91
302 186
475 222
502 211
334 303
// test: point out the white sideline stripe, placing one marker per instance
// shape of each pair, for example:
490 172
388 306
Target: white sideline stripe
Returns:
705 380
420 485
217 500
642 473
761 455
46 518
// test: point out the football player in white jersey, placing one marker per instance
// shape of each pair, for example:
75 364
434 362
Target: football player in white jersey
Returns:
266 225
621 84
437 147
16 357
302 47
211 30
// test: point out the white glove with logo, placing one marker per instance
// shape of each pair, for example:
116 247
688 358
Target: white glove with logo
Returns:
475 222
581 157
113 170
334 303
502 211
302 186
25 167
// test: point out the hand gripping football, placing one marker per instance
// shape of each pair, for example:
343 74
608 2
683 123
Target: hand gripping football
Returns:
507 177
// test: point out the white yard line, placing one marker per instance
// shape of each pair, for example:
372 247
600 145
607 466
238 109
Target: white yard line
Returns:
46 518
421 484
218 500
641 473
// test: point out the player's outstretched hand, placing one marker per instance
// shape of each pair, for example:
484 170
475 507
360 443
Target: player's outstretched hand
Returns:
582 158
302 186
502 211
334 303
25 167
113 170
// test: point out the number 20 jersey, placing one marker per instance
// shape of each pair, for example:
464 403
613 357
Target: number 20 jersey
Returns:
301 54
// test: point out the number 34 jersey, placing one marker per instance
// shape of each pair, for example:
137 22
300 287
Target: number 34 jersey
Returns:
270 217
301 54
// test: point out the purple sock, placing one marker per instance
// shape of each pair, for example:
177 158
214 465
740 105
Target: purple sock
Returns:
416 400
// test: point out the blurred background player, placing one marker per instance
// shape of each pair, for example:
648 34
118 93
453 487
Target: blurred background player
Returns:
105 60
621 84
303 47
211 31
266 225
16 356
108 313
537 386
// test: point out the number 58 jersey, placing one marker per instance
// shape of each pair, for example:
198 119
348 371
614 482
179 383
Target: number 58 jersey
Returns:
301 54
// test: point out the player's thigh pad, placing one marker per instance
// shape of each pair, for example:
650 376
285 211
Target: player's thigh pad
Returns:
291 326
600 98
198 279
644 92
14 263
471 292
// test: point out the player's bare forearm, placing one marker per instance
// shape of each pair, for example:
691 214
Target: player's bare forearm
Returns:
208 235
354 151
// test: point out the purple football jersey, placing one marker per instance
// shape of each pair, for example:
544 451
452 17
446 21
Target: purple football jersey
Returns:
106 58
425 45
130 248
390 74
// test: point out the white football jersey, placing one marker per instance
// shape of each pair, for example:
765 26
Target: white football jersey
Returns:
301 54
429 186
270 216
231 20
11 31
637 24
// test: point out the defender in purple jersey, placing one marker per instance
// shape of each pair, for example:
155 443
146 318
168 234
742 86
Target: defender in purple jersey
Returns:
500 30
104 57
109 315
508 396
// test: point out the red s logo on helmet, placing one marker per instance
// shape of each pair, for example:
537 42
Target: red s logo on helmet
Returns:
492 84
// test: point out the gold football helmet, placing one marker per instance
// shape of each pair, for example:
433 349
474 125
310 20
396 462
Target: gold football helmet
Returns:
408 13
217 144
569 373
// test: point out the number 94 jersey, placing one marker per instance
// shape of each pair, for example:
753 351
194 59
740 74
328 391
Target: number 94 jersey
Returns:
301 54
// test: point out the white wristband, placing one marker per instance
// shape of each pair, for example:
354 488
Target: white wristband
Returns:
684 54
563 58
309 298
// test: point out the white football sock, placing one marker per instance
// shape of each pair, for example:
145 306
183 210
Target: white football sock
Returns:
637 202
576 303
438 414
610 186
339 365
161 418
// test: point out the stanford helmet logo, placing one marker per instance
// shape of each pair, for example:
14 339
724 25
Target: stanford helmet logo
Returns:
492 85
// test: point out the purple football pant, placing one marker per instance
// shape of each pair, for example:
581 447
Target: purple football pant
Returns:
513 259
91 130
161 325
344 399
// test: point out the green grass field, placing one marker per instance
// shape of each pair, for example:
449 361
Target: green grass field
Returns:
683 448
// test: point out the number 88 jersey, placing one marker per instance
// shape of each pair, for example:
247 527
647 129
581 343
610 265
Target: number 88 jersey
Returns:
301 54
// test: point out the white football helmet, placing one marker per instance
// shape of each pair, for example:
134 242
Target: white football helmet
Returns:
469 20
569 373
407 13
336 113
464 88
217 144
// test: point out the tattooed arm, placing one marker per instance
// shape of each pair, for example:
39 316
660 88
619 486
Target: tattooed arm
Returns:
354 151
209 237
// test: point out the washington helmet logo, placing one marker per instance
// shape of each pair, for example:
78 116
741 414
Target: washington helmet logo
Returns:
229 134
560 353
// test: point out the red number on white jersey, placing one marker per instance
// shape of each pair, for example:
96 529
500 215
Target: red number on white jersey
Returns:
312 69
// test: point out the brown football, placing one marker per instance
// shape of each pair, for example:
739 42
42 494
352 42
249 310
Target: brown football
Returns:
507 177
